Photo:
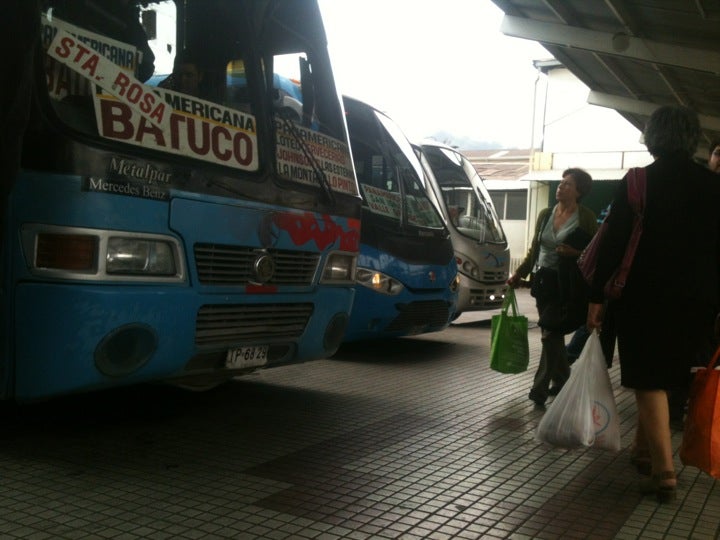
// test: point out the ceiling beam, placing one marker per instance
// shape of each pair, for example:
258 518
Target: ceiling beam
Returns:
615 44
643 108
623 16
560 10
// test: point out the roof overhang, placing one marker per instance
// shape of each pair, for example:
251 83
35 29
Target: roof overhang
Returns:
616 44
555 175
634 55
506 185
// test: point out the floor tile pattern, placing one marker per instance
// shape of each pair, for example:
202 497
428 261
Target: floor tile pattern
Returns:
406 439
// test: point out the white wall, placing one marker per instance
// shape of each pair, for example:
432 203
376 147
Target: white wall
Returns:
515 234
571 133
572 125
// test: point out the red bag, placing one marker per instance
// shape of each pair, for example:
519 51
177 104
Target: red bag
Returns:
587 261
701 438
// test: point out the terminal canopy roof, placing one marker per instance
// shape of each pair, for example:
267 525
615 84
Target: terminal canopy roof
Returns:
634 55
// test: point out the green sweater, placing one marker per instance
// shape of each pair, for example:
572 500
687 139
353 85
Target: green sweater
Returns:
587 222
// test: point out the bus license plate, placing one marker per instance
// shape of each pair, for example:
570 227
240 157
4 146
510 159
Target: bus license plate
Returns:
246 357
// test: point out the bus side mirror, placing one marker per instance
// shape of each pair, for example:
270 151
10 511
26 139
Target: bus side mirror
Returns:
308 92
149 23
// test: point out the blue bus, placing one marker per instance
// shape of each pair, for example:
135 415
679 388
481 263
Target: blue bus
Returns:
153 234
406 271
481 248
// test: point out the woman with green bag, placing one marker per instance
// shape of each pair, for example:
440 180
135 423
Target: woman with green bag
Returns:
560 294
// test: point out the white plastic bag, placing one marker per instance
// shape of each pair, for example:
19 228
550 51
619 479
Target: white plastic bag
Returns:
584 412
605 415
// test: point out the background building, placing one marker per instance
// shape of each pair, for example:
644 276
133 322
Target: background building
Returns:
568 132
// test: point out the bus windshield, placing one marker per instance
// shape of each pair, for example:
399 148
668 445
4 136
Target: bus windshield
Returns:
389 173
468 202
185 79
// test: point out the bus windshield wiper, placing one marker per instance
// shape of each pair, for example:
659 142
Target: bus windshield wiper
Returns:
317 169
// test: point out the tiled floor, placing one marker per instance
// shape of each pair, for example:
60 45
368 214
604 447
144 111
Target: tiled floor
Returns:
415 438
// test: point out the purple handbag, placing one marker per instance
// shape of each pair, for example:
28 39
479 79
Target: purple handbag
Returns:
587 260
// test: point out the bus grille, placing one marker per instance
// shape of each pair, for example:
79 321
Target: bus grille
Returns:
256 323
481 298
429 313
499 276
232 265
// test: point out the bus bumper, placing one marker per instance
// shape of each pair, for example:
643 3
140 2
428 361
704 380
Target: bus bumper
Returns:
91 337
477 296
377 316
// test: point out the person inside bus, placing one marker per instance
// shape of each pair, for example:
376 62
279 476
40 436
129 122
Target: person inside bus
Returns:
454 212
561 233
186 77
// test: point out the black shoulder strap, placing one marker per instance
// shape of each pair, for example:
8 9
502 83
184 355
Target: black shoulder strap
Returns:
538 234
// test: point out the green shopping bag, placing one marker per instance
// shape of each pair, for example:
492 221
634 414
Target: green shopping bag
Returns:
509 350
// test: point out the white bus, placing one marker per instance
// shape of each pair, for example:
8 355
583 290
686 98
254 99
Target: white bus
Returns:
481 248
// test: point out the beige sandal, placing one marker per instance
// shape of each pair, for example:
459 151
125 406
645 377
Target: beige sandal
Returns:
664 492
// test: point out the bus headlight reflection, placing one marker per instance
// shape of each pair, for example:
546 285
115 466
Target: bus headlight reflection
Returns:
379 282
455 283
140 256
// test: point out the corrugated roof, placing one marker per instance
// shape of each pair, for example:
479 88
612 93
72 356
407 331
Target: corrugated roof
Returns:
634 55
499 164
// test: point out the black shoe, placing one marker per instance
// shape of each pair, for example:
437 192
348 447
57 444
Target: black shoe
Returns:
554 390
536 398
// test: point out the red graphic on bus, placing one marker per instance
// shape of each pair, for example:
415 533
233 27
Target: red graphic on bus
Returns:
305 227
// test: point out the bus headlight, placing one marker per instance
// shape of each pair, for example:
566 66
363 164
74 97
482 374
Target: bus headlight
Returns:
81 253
140 256
470 269
339 268
455 283
467 266
378 282
70 252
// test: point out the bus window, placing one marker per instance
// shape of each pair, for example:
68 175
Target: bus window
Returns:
476 215
167 231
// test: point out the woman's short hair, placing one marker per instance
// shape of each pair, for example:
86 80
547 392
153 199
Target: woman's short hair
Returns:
583 180
672 130
713 145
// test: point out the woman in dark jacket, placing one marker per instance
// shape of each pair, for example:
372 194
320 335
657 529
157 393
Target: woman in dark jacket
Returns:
671 294
561 232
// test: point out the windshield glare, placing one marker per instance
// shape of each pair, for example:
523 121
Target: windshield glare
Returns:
390 175
464 195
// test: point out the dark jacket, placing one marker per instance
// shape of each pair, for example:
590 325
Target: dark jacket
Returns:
676 262
665 314
561 295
